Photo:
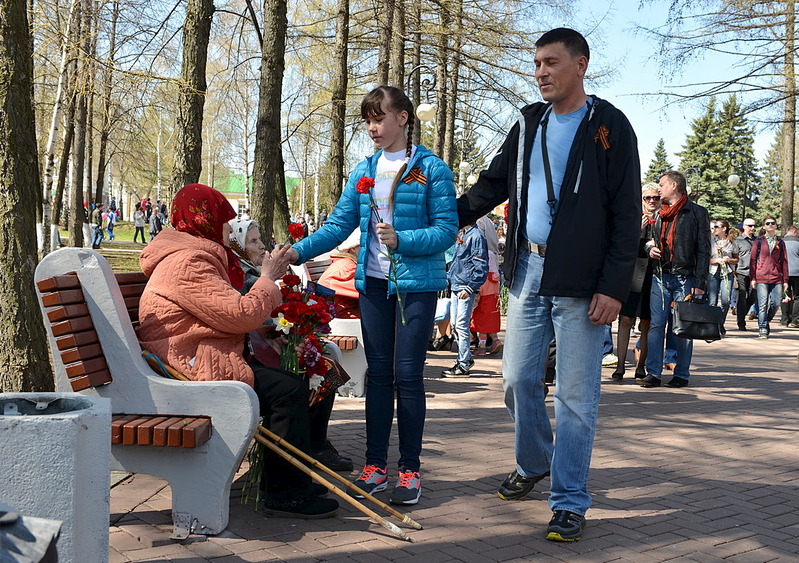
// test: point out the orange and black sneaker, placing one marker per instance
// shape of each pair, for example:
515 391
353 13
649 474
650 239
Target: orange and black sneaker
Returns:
408 488
373 479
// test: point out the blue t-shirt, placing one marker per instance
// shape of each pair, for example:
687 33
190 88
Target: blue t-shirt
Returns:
560 136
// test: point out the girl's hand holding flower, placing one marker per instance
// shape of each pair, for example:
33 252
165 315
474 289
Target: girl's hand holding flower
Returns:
387 235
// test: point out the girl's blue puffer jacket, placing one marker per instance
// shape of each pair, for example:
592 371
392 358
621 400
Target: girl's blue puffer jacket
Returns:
425 219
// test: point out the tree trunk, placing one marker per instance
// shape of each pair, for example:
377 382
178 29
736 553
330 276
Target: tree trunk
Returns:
24 358
397 56
270 206
416 60
339 112
449 137
385 19
105 130
789 124
55 123
191 99
76 209
63 162
441 81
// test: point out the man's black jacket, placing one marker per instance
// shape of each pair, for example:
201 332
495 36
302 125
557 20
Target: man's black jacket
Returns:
690 256
593 242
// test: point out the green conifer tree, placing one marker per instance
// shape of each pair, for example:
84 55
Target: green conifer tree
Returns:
768 198
660 163
738 139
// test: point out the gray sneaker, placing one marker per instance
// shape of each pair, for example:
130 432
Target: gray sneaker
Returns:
408 488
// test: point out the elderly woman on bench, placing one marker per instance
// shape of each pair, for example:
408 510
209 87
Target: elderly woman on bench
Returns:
246 243
194 318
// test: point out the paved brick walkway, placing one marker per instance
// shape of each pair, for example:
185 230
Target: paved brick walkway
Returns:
705 473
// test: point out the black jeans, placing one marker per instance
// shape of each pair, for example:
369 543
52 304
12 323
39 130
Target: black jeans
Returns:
139 231
746 298
790 310
319 417
283 399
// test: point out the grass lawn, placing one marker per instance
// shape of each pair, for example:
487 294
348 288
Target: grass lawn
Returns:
122 253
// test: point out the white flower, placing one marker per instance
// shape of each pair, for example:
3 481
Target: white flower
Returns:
315 381
282 324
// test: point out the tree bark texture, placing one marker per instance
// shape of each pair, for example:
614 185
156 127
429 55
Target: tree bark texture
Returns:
385 19
269 204
397 54
441 80
416 60
105 130
191 97
24 359
339 111
449 136
76 208
789 120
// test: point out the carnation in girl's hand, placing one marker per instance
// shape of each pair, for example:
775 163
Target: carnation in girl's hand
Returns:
364 185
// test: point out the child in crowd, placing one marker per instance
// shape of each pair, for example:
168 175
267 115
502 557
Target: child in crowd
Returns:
403 199
469 271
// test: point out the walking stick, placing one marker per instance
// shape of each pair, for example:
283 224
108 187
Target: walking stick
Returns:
157 365
344 496
308 459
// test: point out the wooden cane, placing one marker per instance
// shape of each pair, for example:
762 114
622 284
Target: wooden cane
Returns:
344 496
156 364
308 459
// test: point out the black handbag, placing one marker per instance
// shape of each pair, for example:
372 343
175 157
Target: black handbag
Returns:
697 320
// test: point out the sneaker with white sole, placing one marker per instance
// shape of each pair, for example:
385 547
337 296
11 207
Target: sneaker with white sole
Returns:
408 488
373 479
610 360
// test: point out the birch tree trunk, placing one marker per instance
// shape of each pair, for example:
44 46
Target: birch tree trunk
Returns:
191 99
24 358
55 126
339 111
789 120
270 206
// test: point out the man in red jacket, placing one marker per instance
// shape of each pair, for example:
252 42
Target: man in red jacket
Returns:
768 270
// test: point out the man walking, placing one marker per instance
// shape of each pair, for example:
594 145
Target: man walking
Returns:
97 221
769 269
681 248
746 295
790 309
570 171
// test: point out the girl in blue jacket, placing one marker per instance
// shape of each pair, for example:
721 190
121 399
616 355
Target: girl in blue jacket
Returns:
403 200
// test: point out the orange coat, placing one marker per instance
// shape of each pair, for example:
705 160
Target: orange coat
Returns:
190 315
340 277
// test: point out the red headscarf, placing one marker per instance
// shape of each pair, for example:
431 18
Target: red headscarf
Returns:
202 211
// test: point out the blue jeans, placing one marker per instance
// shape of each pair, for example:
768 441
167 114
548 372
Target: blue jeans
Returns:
720 283
769 296
98 236
461 315
667 288
533 320
395 355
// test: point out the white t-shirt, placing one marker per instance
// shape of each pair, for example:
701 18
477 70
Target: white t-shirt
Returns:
389 163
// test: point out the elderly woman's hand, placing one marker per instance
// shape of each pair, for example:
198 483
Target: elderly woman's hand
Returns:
275 263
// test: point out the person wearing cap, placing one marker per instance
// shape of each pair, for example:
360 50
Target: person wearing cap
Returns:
340 277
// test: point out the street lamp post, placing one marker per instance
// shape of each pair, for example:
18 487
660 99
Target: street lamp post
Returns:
424 111
463 168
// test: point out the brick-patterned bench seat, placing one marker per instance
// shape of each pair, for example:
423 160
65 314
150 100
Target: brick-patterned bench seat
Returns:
193 434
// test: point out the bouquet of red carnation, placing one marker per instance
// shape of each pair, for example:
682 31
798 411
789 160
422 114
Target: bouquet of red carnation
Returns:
302 317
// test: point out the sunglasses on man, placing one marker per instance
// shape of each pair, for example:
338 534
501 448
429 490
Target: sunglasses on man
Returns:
770 223
651 198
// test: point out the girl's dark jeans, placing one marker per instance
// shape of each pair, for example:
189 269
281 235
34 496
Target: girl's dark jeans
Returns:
395 355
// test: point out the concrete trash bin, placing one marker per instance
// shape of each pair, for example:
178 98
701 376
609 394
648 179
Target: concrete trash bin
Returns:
56 464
